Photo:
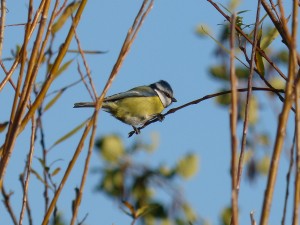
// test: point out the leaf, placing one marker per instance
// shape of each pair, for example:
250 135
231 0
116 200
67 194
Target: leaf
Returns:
269 38
53 100
64 16
63 68
188 166
3 126
111 147
226 216
56 171
259 64
223 100
145 209
69 134
40 178
258 58
130 207
263 165
219 71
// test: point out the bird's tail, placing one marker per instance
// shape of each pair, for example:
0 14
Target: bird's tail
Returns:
84 104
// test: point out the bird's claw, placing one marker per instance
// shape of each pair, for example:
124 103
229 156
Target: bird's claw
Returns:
160 117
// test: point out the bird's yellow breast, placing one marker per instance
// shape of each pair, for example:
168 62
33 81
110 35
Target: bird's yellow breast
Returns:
134 110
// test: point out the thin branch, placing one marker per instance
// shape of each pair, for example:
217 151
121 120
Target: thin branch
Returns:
124 51
253 222
77 201
2 24
288 178
7 204
194 102
233 125
283 118
28 167
297 99
87 68
249 95
240 31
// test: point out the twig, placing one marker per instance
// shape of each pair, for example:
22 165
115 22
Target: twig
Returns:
87 68
288 178
297 118
77 201
6 202
28 33
2 24
240 31
28 167
194 102
124 51
253 222
283 118
249 95
233 125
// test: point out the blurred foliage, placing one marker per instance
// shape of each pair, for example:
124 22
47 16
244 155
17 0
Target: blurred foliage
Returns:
257 162
257 155
142 189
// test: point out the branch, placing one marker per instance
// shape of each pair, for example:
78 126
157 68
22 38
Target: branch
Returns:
194 102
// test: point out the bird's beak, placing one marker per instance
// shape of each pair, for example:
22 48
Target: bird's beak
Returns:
174 99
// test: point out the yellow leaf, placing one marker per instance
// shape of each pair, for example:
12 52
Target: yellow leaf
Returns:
63 68
53 100
69 134
259 63
3 126
145 209
188 166
269 38
111 147
64 16
56 171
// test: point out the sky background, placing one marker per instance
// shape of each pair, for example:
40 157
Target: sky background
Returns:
167 47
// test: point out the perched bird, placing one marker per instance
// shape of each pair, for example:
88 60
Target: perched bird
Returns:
138 105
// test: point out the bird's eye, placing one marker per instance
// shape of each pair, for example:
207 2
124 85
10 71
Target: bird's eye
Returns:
167 94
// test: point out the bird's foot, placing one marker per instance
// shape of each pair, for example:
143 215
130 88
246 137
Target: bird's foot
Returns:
160 117
136 130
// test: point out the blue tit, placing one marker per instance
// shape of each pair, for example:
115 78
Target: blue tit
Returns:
138 105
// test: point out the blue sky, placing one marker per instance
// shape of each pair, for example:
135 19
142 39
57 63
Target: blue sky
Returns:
168 48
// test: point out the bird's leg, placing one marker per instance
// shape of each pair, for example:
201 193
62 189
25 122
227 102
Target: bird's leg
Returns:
136 130
160 117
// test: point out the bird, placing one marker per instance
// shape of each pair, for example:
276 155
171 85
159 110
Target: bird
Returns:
138 105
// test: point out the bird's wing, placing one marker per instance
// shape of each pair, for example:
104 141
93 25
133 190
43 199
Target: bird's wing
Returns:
142 91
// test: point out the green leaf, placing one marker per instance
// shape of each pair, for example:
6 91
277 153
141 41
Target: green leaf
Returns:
219 71
283 56
111 147
278 83
72 7
53 100
259 63
188 166
258 58
69 134
242 72
226 216
203 30
63 68
253 111
223 100
263 165
269 38
145 210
